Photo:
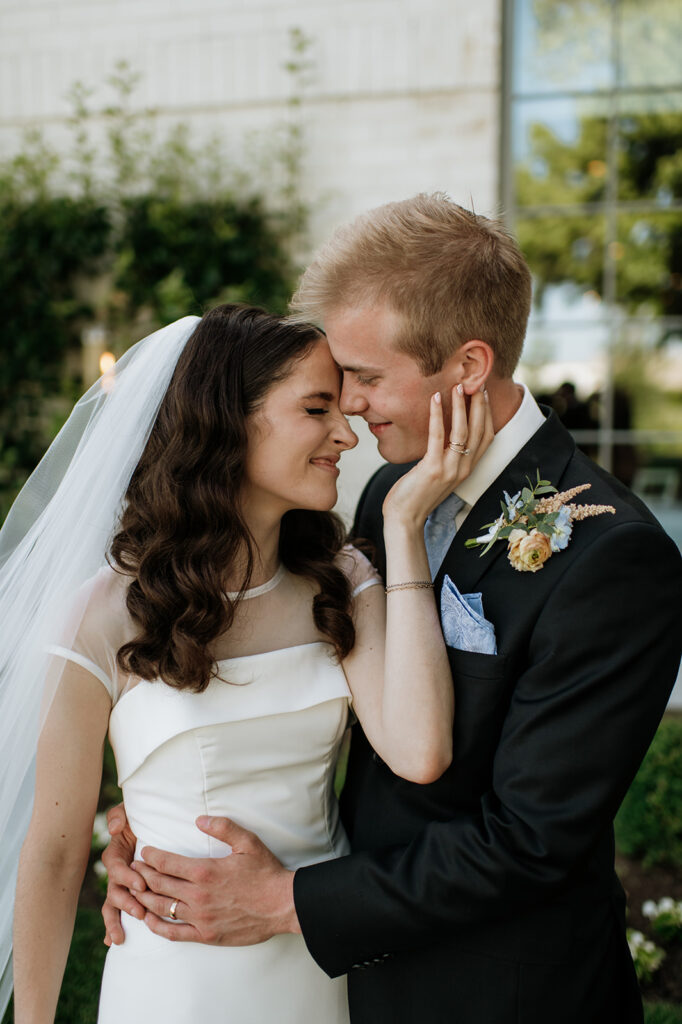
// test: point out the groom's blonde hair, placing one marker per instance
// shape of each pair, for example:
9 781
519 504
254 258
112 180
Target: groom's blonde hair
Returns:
453 275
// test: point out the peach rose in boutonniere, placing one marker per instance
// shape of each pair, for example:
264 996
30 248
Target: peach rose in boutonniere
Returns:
536 522
528 552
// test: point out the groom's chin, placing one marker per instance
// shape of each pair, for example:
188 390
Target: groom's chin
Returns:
397 453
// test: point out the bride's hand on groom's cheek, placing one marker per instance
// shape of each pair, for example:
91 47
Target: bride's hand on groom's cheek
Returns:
117 859
237 900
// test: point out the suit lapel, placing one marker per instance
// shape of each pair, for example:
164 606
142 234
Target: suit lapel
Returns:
549 450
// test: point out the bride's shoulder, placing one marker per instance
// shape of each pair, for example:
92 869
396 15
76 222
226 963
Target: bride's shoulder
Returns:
99 610
356 566
93 625
104 594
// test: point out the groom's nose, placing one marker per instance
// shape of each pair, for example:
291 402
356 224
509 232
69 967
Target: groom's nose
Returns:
352 401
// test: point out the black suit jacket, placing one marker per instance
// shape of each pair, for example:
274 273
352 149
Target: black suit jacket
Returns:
490 895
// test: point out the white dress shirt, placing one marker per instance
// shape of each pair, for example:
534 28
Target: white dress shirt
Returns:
505 446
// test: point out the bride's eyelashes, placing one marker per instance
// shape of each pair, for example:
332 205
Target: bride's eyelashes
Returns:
317 412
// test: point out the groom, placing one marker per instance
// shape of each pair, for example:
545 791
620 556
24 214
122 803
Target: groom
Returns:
489 896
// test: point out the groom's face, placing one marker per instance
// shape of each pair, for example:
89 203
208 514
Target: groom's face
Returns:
380 383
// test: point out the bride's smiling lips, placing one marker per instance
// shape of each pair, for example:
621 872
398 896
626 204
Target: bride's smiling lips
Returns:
327 462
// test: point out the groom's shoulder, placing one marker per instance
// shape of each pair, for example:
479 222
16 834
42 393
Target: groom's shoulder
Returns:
606 489
632 527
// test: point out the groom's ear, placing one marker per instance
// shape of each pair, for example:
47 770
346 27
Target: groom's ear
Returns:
471 365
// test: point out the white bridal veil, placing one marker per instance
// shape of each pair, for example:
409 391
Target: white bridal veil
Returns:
53 540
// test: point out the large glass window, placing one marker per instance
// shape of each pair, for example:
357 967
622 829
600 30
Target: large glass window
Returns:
592 186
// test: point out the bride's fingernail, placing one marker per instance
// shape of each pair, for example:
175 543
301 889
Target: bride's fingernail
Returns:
436 398
460 389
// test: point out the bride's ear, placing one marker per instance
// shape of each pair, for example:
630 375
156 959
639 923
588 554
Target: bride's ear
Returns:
472 365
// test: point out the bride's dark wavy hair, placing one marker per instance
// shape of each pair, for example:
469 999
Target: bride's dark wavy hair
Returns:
182 528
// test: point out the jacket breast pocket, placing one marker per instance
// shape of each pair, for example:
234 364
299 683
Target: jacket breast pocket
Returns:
483 685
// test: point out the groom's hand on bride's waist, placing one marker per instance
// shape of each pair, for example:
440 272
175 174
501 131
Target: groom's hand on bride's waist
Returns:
238 900
123 881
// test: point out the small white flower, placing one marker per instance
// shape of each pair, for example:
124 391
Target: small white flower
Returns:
666 904
636 939
650 909
100 832
100 870
492 532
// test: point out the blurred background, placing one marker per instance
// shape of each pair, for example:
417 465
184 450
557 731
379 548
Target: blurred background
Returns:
157 157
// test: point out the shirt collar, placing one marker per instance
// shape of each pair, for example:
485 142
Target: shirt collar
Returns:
505 446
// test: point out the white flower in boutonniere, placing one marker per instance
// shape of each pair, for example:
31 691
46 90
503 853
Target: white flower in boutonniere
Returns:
536 523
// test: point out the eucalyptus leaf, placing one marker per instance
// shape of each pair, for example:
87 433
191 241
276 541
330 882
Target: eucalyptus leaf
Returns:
488 546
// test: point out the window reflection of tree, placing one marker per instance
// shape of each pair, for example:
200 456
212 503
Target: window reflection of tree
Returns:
570 248
595 194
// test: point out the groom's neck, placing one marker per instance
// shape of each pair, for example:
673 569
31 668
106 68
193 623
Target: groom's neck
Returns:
505 400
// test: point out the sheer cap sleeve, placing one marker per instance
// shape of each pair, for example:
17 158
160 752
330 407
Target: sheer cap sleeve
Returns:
96 626
358 568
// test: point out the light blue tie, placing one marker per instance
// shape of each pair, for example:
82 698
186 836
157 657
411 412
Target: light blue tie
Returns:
439 530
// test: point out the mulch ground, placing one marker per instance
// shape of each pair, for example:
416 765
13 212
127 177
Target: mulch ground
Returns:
642 884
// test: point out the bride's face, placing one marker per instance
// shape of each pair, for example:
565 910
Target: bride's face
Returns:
296 438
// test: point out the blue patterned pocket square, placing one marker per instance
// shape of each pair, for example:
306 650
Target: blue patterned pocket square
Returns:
464 625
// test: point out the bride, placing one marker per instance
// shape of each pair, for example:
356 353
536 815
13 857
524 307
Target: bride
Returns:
172 574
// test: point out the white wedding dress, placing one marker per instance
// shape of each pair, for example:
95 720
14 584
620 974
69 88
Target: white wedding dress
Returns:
259 745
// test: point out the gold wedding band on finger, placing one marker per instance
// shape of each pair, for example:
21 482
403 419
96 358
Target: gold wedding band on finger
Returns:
173 908
459 447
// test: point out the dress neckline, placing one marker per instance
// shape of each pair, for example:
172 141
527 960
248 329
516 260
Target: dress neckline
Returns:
262 588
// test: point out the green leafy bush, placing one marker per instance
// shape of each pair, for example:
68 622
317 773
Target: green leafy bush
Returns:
662 1013
649 823
46 242
221 248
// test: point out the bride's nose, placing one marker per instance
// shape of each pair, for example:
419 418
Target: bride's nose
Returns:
342 434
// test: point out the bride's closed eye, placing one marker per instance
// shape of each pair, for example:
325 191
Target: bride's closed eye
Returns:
317 412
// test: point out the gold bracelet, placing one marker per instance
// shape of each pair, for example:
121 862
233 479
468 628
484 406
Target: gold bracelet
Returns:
411 585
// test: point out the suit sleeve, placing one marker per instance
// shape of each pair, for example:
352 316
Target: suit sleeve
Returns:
602 660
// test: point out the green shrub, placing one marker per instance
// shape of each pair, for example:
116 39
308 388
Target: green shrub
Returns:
662 1013
649 822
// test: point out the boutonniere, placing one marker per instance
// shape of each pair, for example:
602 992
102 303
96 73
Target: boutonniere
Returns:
536 525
